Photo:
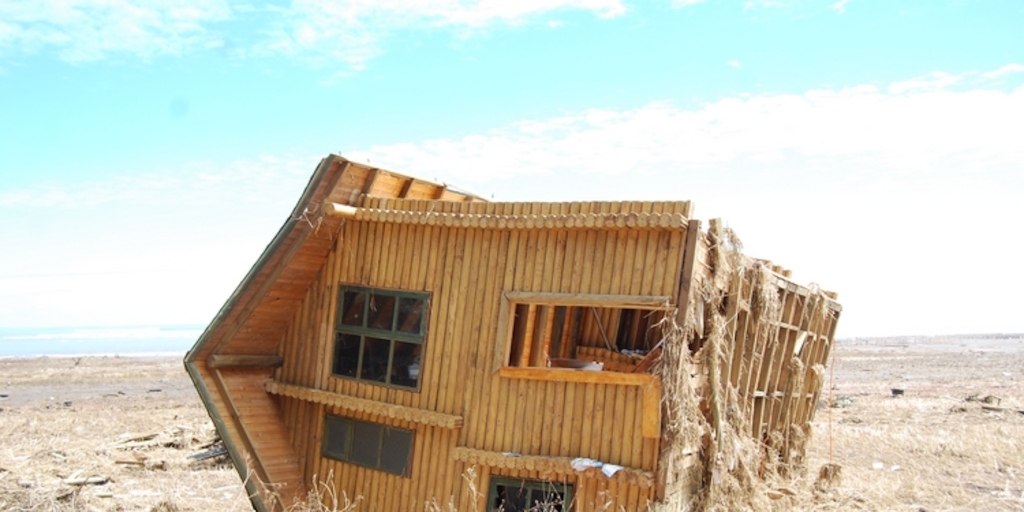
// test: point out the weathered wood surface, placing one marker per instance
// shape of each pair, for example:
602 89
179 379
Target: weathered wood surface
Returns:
466 271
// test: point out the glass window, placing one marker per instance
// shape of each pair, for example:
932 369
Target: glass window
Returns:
507 495
368 444
379 336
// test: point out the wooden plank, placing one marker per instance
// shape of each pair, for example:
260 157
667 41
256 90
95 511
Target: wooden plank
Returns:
572 375
366 406
590 299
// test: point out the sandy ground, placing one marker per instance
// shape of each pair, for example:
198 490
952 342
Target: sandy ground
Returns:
132 423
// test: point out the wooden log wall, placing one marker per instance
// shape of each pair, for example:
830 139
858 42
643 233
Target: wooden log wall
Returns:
465 272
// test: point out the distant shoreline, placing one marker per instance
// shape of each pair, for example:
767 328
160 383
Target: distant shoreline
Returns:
120 355
98 341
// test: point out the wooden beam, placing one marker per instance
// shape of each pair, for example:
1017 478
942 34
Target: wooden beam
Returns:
547 466
351 403
370 180
574 375
686 277
404 193
340 210
244 361
627 220
591 300
651 424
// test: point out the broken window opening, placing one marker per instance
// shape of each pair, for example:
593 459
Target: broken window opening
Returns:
509 495
583 337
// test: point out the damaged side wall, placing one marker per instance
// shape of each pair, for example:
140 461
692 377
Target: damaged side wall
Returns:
742 372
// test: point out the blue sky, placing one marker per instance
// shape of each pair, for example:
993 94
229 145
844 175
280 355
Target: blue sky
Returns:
150 150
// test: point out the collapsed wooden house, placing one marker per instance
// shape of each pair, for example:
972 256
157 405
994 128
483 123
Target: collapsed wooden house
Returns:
406 345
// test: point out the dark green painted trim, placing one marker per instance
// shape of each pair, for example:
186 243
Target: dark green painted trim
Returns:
222 314
229 443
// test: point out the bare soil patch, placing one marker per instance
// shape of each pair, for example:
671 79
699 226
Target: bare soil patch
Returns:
944 444
127 425
130 425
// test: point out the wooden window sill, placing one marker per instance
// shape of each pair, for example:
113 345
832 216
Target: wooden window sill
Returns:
547 465
351 403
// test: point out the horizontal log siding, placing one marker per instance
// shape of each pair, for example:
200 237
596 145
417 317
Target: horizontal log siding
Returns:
465 272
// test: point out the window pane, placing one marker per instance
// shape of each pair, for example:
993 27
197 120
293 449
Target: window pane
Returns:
337 439
352 308
394 457
366 444
346 354
510 498
405 369
410 315
382 312
528 496
547 500
375 359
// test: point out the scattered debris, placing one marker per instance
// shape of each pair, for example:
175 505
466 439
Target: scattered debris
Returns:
996 408
829 477
987 399
92 480
897 392
842 402
209 454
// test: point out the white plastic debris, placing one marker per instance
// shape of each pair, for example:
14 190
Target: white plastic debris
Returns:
878 466
583 464
609 470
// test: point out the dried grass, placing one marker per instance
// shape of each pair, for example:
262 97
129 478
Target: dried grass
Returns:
938 449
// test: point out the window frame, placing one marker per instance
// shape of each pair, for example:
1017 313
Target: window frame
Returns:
392 336
567 491
511 299
350 441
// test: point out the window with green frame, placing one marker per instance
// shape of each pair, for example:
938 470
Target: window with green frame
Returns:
368 444
379 336
512 495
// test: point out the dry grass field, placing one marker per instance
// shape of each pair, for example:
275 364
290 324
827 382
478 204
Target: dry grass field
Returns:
130 425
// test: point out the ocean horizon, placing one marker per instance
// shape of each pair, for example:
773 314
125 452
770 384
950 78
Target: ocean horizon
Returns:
163 340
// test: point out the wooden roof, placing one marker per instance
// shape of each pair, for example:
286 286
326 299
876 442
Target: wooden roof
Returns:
254 318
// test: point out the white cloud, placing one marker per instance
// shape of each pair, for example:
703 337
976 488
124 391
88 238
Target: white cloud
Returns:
840 6
345 33
685 3
89 30
914 127
327 32
733 63
1008 69
195 184
933 81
